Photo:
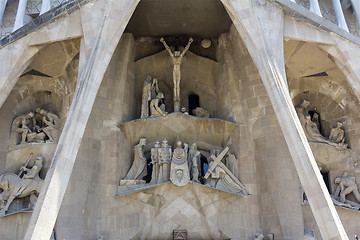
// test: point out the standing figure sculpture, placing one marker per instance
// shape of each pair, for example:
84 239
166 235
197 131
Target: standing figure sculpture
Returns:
150 90
195 168
139 162
176 58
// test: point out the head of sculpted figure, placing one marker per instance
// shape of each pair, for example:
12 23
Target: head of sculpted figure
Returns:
160 95
31 114
164 143
305 104
178 143
148 79
39 159
142 141
177 53
339 124
157 144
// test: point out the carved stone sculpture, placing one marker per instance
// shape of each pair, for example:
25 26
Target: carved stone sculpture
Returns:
259 236
337 135
157 108
200 112
139 162
313 134
179 173
346 185
52 125
195 167
232 163
23 128
150 90
311 128
176 58
21 185
37 127
221 177
165 154
155 162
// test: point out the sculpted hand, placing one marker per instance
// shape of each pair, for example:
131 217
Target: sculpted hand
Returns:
191 40
162 39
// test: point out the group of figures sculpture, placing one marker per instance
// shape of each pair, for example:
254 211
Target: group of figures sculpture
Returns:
27 183
311 128
183 164
37 127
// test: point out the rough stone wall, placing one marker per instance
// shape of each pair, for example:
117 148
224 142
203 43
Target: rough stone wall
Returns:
277 184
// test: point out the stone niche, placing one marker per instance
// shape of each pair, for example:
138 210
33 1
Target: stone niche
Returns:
198 78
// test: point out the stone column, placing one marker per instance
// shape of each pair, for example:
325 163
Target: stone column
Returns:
20 14
256 28
340 18
2 9
356 7
315 8
112 17
45 6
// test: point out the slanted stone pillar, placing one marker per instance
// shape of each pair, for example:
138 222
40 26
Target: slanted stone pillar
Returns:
2 9
100 43
45 6
260 24
20 14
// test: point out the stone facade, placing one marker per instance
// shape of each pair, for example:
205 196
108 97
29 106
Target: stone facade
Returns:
88 68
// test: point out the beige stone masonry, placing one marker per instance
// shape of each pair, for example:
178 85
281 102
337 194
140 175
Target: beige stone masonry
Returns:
100 44
259 35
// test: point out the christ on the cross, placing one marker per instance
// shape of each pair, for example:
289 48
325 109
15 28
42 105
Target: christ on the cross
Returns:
176 58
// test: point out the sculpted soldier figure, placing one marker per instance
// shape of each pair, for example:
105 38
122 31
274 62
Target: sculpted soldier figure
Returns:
139 162
176 58
164 162
155 162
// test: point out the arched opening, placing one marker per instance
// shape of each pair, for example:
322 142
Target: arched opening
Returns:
194 102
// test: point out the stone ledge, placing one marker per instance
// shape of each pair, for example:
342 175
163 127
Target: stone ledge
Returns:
60 11
206 132
299 12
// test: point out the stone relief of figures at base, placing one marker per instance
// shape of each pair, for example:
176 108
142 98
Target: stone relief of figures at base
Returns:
311 126
20 191
183 164
40 126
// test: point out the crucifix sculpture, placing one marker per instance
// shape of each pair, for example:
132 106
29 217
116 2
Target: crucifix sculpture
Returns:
176 58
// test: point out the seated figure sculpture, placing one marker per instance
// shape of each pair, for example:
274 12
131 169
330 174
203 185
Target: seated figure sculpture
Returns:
337 134
18 186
